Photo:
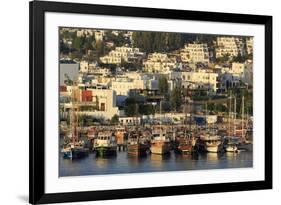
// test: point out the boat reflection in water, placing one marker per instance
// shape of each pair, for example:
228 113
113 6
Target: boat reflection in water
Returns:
105 161
192 156
135 161
213 156
158 160
231 155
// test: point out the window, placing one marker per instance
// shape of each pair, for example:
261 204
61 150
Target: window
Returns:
102 106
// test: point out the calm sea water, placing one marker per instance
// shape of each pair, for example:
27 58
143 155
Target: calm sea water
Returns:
122 163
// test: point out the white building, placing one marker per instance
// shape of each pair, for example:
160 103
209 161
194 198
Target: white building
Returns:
105 99
122 86
249 45
238 72
99 35
84 67
84 32
121 53
129 120
199 79
195 52
159 63
238 68
231 46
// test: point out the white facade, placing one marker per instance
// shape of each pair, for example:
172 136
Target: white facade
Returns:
84 32
238 68
195 52
120 53
106 102
99 35
129 120
84 67
122 86
199 79
159 63
231 46
249 45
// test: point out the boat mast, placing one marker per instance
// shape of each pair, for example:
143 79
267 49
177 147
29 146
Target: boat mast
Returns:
234 120
190 118
243 117
229 116
161 116
206 107
185 110
73 130
75 96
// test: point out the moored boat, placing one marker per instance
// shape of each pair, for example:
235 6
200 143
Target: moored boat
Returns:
105 144
160 144
186 144
137 145
231 143
210 143
74 151
121 138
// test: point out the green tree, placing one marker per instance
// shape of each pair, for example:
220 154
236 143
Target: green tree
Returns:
224 58
239 58
99 48
146 109
163 85
131 107
176 98
114 119
77 43
158 41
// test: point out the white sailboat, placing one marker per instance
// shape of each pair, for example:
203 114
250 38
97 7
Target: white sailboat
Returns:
232 141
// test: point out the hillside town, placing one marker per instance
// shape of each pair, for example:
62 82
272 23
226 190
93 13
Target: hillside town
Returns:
143 83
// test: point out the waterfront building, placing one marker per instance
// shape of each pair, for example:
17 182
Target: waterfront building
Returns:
129 120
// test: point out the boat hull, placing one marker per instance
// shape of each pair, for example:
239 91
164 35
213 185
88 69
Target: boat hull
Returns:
213 148
231 148
75 153
185 149
160 149
137 149
106 151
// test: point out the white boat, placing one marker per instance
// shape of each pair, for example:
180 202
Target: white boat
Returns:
211 143
231 148
105 144
160 143
231 144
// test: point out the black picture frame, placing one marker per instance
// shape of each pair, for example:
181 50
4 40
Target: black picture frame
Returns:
37 11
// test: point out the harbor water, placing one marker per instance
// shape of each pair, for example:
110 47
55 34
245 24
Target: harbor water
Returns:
122 163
